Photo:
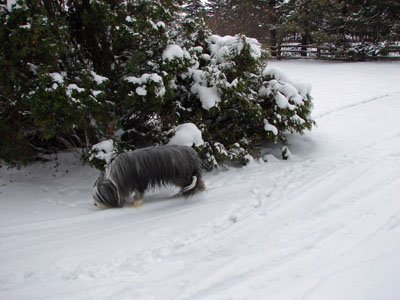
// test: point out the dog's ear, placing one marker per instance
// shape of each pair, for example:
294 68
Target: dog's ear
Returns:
109 193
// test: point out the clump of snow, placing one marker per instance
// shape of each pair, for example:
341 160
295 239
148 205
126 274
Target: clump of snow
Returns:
209 96
157 25
204 87
263 91
103 150
57 77
284 89
11 3
96 93
129 19
282 101
198 49
270 127
172 51
221 46
27 26
222 50
146 79
73 87
199 76
187 134
297 119
141 91
98 78
303 89
160 24
286 153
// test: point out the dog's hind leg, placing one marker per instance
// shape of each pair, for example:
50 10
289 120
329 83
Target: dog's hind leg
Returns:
137 199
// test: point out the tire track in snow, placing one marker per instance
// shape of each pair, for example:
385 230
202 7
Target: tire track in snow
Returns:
267 236
362 102
242 209
303 219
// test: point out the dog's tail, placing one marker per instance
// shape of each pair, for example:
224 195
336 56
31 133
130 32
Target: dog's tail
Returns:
196 185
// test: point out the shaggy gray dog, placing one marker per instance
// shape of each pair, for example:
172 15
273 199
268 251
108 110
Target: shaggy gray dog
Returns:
139 170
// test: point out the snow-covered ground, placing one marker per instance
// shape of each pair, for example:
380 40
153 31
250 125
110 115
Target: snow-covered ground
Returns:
323 225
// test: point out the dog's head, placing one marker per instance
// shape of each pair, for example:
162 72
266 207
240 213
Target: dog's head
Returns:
105 193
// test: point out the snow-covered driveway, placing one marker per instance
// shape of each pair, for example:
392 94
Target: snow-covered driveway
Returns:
323 225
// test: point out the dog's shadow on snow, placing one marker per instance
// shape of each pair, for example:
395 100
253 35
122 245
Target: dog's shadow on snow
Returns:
169 196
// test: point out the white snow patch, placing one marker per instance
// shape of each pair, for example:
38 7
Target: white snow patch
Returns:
220 46
96 93
141 91
302 88
263 91
10 4
269 127
129 19
323 225
98 78
187 134
73 87
209 96
104 151
281 100
145 79
172 51
158 25
57 77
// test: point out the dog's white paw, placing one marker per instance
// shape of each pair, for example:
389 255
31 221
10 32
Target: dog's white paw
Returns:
136 203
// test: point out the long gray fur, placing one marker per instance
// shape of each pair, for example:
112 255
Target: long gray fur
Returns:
142 169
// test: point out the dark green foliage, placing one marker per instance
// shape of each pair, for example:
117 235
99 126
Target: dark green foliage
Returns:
133 71
48 94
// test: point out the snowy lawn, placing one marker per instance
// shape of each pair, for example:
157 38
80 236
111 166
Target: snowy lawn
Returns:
323 225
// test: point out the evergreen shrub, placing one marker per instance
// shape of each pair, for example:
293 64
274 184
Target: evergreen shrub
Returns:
132 71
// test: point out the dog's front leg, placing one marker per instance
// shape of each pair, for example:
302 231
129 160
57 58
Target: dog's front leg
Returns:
137 199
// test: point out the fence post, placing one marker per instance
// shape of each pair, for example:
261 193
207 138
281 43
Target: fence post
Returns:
278 51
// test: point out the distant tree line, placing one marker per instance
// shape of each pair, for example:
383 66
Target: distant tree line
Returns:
367 27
